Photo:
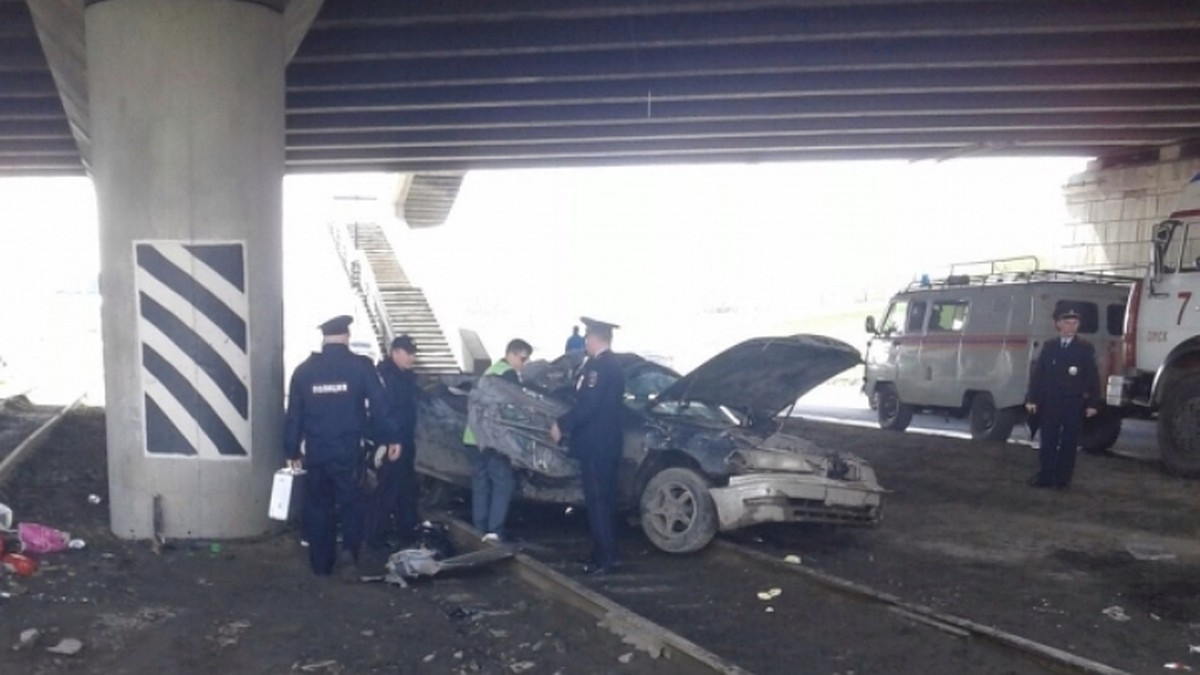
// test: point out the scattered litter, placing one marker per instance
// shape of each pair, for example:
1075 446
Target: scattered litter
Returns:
228 635
66 647
496 633
626 657
770 594
1194 649
458 655
1155 617
411 563
368 633
793 559
76 544
569 510
1175 665
318 665
430 657
770 610
15 563
1148 552
1116 613
28 637
94 500
521 666
37 538
214 548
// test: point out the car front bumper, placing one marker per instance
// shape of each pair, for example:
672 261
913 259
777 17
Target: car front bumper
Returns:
751 499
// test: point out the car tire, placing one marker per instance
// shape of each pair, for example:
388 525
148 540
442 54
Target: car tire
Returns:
1179 427
989 423
1100 433
893 415
677 511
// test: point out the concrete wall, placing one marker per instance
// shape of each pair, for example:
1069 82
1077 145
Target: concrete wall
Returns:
1112 211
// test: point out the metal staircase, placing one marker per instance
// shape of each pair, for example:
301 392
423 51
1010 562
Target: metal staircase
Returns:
395 305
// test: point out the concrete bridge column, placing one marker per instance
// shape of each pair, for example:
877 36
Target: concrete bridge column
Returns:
187 124
1113 210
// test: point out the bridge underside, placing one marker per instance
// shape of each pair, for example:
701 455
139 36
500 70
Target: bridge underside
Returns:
436 86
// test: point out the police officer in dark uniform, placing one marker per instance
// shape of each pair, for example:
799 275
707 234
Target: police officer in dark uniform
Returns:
396 495
596 439
328 411
1063 388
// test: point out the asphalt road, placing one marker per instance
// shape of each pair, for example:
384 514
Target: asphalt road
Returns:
845 405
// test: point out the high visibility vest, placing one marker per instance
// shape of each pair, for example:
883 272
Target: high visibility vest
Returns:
498 368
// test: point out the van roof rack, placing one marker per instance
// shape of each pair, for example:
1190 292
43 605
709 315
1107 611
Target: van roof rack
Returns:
1016 270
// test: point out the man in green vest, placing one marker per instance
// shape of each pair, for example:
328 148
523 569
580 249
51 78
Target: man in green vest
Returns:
492 479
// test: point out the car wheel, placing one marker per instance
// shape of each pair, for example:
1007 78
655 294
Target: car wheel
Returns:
988 423
1100 433
893 415
678 514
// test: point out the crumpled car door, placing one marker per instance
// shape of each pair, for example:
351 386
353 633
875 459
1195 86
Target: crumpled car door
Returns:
515 422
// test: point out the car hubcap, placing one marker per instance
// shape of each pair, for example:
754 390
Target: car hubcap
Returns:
672 509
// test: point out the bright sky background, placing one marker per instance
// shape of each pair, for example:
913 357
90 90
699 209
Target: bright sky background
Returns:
687 259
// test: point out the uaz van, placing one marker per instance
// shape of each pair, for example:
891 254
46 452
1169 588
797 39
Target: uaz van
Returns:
964 346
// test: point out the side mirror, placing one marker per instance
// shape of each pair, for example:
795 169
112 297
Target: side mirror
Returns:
870 325
1162 241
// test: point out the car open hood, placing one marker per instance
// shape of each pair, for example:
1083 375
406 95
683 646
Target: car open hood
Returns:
764 375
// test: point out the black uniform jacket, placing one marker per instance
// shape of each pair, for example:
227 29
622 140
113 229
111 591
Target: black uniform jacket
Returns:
402 393
594 423
1066 373
327 406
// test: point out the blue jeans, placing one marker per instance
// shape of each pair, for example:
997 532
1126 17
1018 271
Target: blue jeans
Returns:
492 485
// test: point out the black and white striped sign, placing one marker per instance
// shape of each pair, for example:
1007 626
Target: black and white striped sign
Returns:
193 332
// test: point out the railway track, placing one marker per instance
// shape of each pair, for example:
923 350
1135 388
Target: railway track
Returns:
737 609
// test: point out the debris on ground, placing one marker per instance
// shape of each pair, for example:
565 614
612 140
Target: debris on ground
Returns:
94 500
626 657
770 594
793 559
521 666
29 636
1175 665
318 665
1148 552
38 538
1116 613
66 647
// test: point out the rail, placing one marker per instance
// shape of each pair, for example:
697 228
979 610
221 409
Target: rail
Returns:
362 280
34 441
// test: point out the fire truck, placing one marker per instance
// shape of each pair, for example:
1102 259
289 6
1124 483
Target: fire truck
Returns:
1161 374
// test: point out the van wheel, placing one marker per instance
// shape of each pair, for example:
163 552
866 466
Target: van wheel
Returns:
893 415
678 514
1100 433
988 423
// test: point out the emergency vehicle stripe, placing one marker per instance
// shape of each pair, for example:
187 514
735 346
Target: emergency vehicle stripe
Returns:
193 335
205 424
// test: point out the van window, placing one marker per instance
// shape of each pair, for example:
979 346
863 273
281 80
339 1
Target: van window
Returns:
903 317
1089 314
948 316
1116 319
916 317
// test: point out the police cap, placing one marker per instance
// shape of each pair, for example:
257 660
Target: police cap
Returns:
603 329
338 325
1066 312
406 343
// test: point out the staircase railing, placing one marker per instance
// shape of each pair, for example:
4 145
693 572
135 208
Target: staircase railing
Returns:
362 280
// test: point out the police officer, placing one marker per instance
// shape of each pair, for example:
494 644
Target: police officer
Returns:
594 426
327 411
1064 387
396 494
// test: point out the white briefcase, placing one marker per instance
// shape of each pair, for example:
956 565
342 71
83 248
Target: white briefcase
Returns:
284 493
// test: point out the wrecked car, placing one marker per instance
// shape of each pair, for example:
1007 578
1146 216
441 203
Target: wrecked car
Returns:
702 452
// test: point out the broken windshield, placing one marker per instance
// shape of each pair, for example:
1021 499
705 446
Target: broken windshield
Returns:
643 388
